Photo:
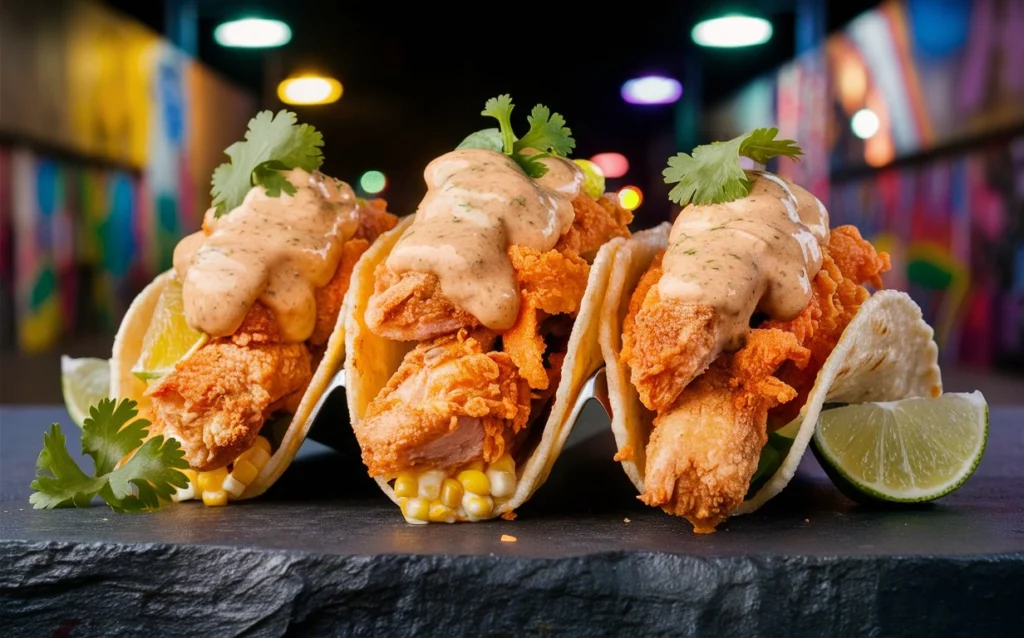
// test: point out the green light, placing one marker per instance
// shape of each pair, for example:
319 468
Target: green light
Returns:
373 182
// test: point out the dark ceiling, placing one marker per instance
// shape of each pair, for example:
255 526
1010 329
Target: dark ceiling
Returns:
415 78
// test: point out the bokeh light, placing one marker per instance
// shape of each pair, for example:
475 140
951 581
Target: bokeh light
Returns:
252 33
732 31
864 123
630 197
613 165
373 182
309 89
652 89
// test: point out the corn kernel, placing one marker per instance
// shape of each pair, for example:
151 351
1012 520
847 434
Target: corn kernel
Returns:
440 513
430 484
405 485
503 484
212 481
233 486
451 493
258 457
244 472
504 464
476 506
417 508
215 499
191 475
263 443
475 481
184 493
476 465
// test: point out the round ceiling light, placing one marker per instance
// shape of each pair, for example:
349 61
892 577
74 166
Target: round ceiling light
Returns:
652 89
373 182
732 31
309 89
865 123
613 165
252 33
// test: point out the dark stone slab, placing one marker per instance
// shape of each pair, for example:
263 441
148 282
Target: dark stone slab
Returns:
325 553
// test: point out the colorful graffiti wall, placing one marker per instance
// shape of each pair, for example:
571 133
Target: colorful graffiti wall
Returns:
940 184
103 168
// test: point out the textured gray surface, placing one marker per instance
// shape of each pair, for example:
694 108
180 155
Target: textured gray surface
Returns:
324 553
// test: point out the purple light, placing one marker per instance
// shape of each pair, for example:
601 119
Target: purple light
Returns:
652 89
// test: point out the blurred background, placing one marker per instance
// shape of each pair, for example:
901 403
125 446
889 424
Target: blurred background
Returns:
114 113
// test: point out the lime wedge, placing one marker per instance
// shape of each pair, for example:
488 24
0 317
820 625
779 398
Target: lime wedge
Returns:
84 382
593 178
169 338
908 451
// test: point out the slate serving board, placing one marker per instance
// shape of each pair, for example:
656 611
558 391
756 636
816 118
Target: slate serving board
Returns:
325 553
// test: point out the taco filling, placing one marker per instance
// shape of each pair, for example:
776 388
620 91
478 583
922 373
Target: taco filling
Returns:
486 282
263 282
728 328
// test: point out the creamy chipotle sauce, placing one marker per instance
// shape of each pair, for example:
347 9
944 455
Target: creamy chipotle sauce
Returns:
478 203
756 254
277 250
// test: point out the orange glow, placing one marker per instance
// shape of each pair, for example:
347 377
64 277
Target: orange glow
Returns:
630 197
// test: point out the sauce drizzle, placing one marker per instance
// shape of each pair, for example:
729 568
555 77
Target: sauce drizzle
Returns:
756 254
478 203
277 250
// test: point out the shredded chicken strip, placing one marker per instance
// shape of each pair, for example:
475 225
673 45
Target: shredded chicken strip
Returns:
451 401
596 222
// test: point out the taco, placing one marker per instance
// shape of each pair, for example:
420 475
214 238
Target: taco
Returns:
472 325
229 351
726 333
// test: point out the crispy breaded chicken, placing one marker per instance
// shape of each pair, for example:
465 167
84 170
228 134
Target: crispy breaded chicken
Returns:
451 401
217 400
411 306
711 426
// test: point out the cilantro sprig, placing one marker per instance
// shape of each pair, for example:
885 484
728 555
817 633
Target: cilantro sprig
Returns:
712 175
109 434
272 144
548 135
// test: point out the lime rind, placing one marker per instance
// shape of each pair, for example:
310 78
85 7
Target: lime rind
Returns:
84 382
864 491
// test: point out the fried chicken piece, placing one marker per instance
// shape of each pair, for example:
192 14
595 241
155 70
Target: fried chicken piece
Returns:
216 401
411 306
450 402
550 283
665 343
596 222
705 449
374 220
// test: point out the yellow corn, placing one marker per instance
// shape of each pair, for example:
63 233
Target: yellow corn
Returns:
258 457
214 499
244 472
191 475
451 493
262 444
417 508
406 485
440 513
477 506
503 484
430 485
475 481
476 465
212 481
504 464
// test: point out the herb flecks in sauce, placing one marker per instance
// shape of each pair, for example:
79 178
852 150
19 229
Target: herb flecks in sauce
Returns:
277 250
472 264
772 238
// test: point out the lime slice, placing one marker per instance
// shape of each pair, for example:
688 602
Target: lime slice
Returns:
593 178
84 382
169 338
908 451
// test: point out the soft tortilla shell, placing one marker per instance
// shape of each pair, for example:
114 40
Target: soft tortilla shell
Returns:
373 359
886 353
125 385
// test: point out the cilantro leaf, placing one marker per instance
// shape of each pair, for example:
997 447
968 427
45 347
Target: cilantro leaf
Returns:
489 138
59 481
500 108
547 133
272 143
548 136
713 175
108 436
153 470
